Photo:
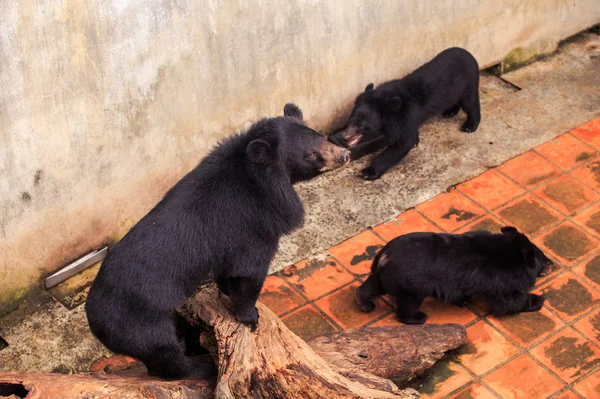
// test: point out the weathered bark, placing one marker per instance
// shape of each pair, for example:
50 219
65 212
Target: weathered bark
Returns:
398 352
271 362
100 385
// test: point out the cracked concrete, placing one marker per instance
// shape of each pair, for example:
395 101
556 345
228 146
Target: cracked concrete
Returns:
557 94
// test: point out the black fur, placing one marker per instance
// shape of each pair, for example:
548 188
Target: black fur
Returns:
222 221
398 108
501 268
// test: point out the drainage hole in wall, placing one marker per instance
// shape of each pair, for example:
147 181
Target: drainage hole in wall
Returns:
12 390
3 343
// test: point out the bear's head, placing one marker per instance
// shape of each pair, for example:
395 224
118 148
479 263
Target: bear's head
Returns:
366 118
303 152
537 261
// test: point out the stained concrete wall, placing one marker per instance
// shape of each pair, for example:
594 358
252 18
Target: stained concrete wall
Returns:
105 104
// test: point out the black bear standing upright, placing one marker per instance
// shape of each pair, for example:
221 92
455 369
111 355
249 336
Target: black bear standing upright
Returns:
222 221
399 107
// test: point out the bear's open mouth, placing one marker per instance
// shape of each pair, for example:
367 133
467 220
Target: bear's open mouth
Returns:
354 140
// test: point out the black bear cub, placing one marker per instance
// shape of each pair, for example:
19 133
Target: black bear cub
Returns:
223 222
500 268
396 109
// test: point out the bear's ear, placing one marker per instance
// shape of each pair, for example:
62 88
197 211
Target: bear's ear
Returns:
508 230
259 151
293 111
369 87
394 103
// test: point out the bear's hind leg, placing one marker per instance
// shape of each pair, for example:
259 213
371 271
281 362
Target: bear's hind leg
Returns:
470 104
407 307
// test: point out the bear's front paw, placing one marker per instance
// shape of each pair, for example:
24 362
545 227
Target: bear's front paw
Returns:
369 173
251 319
535 303
418 318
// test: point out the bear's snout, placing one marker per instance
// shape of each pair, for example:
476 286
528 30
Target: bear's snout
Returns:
345 157
334 156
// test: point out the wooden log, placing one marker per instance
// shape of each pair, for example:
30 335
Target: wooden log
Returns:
397 352
100 385
271 362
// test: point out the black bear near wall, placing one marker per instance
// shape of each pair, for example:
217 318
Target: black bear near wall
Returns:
396 109
222 221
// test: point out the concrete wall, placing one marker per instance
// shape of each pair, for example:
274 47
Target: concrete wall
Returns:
105 104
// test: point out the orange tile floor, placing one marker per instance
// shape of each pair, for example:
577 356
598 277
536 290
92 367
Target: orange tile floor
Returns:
552 193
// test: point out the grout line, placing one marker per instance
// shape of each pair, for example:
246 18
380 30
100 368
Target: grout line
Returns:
431 220
485 384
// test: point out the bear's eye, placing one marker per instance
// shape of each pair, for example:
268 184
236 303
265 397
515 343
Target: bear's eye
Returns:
312 155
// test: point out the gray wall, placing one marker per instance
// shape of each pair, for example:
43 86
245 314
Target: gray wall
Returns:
105 104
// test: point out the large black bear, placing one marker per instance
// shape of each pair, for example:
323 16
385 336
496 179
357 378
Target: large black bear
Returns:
501 268
396 109
222 221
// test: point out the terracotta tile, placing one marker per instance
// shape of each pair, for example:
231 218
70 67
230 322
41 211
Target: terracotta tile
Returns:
485 348
529 169
568 354
490 189
487 223
408 222
589 132
566 151
357 253
523 378
589 219
439 312
389 320
590 326
527 328
450 210
589 174
475 391
278 296
589 388
307 322
569 296
590 271
567 242
528 214
342 308
567 194
442 378
317 277
568 395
